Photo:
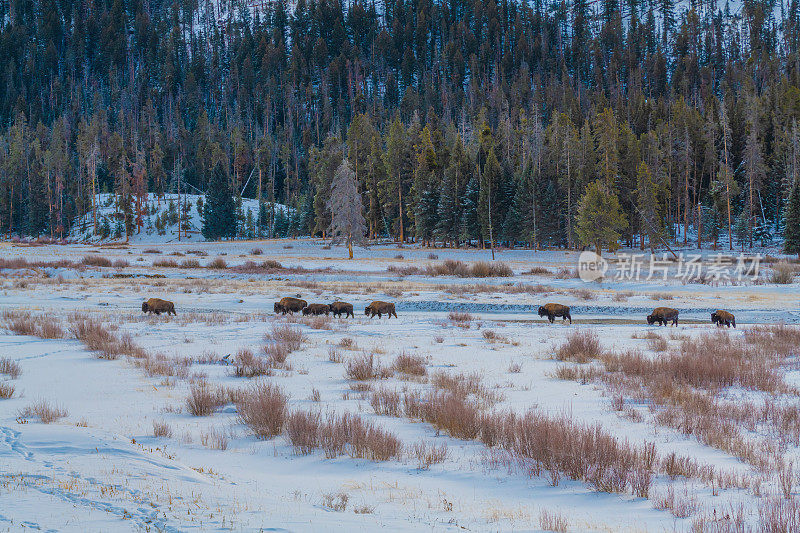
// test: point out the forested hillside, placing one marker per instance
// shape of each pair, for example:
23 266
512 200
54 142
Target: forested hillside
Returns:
462 120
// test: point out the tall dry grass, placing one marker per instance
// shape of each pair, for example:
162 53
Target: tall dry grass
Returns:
263 408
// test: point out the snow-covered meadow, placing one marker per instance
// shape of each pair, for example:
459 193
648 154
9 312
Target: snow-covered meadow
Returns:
127 452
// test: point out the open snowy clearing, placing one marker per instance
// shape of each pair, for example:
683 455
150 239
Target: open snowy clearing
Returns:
101 467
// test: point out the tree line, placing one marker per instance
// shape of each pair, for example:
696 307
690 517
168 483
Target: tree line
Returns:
466 121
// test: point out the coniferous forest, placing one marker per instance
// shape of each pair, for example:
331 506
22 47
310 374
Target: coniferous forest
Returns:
464 121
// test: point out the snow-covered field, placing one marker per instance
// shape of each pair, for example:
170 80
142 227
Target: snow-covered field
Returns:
101 467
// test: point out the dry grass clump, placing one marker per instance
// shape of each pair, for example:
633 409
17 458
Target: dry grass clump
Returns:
190 263
427 454
166 263
446 411
44 326
657 343
121 263
538 271
204 399
291 337
161 365
99 339
581 346
42 410
365 367
248 365
411 365
779 515
10 368
270 266
566 273
584 294
335 501
96 260
452 267
385 402
348 343
553 521
6 390
214 439
493 337
342 434
217 263
263 408
161 429
462 320
782 273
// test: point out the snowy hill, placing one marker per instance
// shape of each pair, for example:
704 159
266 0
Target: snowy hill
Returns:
160 219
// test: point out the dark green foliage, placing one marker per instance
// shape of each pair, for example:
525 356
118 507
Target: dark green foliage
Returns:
791 219
219 213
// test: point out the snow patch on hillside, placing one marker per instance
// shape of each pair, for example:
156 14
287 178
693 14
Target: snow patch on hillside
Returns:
160 220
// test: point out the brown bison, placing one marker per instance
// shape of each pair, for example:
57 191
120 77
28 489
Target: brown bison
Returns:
158 306
551 311
663 315
317 309
340 308
289 305
723 318
380 308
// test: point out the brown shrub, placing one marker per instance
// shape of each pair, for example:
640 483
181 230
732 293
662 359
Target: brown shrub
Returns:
427 454
581 346
779 515
190 263
263 408
365 367
460 319
217 263
303 430
166 263
10 368
782 273
96 260
214 439
204 399
95 335
248 365
291 337
409 364
121 263
6 390
385 402
42 410
161 429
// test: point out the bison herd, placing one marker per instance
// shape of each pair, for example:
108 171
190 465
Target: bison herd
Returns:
661 315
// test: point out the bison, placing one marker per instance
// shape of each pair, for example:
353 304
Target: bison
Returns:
663 315
289 305
723 318
380 308
317 309
340 308
551 311
158 306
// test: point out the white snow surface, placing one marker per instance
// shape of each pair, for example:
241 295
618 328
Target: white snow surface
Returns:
101 469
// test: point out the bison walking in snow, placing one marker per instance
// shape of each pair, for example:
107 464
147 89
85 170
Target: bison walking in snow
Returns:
723 318
663 315
158 306
290 305
551 311
317 309
380 308
342 308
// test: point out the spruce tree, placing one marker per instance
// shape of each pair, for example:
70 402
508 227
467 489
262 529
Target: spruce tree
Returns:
600 218
219 213
791 232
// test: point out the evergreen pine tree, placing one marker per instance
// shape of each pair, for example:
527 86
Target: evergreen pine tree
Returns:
600 218
470 223
219 213
791 232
